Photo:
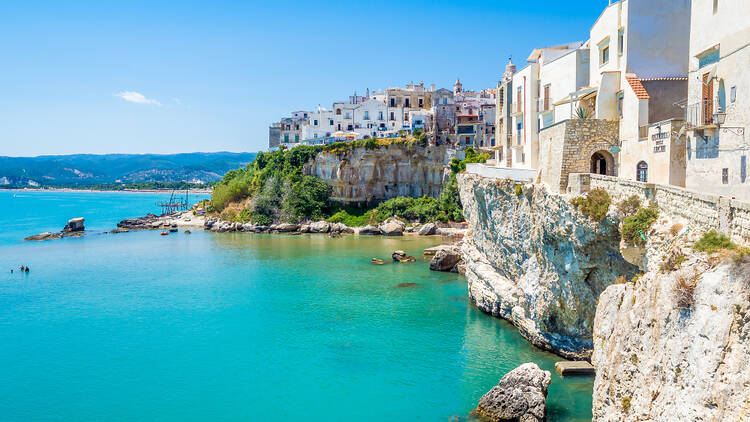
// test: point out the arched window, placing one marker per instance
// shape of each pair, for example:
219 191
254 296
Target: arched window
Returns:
642 172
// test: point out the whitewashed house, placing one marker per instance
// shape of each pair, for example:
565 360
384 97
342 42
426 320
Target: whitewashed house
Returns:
718 104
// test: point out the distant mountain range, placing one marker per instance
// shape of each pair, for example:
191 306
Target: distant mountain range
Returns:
86 170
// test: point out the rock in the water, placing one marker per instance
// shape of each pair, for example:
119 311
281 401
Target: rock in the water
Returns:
341 228
248 227
148 222
44 236
377 261
445 260
320 227
285 227
427 229
304 228
398 255
392 228
520 396
74 225
371 230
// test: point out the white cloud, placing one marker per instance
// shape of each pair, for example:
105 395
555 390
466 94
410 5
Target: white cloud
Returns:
136 97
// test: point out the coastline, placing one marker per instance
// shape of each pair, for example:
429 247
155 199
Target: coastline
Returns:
200 192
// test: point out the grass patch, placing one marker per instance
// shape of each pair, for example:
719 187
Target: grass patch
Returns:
595 204
712 241
673 260
635 227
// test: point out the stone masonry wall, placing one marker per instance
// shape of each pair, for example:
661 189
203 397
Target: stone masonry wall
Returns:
702 211
568 146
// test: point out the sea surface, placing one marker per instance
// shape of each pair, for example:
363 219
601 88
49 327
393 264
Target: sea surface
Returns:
238 327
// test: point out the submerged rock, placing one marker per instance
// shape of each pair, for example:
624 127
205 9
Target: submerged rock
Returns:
407 285
44 236
521 395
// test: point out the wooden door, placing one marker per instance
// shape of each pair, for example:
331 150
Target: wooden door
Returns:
708 100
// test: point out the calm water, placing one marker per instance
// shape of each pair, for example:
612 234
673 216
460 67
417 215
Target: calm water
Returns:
237 327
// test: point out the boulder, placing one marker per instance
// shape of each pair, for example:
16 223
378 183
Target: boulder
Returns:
445 259
304 228
392 228
74 225
285 227
44 236
341 228
320 227
398 255
248 227
370 230
428 229
521 395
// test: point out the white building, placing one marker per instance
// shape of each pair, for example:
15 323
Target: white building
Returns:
718 105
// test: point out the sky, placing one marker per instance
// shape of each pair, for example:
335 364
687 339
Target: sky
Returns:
184 76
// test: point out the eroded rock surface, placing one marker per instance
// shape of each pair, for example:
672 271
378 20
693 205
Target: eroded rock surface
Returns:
534 260
521 395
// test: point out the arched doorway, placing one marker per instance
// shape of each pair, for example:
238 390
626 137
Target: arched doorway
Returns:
641 173
601 163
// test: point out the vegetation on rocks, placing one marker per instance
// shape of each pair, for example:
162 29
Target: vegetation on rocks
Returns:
635 227
273 188
711 242
595 204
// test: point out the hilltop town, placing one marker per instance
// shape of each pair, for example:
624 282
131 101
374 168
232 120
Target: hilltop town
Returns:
652 96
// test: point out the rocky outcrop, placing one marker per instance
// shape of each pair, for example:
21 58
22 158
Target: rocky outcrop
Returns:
447 258
427 229
534 260
155 222
674 344
368 230
521 395
392 227
371 175
74 225
320 227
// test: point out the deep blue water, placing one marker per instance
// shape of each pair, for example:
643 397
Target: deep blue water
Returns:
237 327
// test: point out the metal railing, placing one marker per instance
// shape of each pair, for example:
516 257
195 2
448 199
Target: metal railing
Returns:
700 113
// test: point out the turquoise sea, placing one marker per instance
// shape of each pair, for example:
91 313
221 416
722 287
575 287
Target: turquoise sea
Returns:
238 327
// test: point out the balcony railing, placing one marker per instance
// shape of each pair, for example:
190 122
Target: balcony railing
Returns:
545 104
700 113
516 108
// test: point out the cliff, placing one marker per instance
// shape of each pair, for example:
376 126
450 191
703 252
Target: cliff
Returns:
535 261
674 345
371 175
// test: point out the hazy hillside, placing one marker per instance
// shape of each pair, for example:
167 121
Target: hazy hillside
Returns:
87 169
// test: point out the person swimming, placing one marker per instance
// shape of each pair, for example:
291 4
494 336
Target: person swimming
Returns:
27 268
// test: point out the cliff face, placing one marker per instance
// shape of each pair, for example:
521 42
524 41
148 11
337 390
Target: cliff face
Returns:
362 175
532 259
664 351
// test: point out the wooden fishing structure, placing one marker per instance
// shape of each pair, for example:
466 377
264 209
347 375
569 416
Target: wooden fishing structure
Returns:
175 203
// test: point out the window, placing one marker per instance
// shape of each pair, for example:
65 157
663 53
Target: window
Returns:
296 138
380 115
620 41
604 52
407 103
330 122
708 57
393 116
620 96
733 94
393 102
286 138
348 115
725 176
445 100
305 115
642 172
421 102
743 169
349 127
406 117
315 123
338 112
367 115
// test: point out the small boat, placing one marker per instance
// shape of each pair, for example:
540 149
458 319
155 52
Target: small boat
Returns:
173 230
164 233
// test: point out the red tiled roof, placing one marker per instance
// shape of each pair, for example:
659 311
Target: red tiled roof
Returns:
638 87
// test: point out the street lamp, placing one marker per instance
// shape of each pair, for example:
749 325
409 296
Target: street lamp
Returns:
720 117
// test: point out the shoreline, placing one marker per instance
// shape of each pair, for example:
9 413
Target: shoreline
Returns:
58 190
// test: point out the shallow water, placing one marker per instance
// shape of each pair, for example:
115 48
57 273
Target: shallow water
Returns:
238 327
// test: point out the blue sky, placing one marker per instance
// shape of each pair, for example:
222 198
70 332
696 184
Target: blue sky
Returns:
183 76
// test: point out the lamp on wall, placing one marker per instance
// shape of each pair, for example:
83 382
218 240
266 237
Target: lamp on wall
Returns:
720 117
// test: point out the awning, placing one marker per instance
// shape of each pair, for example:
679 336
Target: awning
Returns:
581 94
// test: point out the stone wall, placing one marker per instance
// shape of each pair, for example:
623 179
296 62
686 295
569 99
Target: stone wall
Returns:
363 175
702 211
568 146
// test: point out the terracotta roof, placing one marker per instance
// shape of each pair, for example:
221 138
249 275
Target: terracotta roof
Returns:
673 78
638 88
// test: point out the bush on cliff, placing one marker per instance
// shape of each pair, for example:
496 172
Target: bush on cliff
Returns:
595 204
307 199
635 227
712 241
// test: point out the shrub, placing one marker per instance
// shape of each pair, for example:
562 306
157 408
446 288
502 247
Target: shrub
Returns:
518 190
675 229
711 242
634 228
673 260
625 404
595 204
629 206
740 254
307 198
684 288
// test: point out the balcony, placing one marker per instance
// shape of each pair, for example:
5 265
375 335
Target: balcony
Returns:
545 105
700 114
516 108
465 130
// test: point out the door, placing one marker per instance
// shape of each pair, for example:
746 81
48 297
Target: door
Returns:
708 100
